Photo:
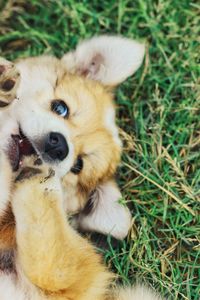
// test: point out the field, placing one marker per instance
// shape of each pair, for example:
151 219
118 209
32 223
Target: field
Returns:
159 116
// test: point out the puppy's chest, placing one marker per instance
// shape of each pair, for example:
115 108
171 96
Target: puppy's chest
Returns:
7 261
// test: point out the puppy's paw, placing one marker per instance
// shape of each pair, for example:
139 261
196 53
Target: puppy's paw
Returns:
36 185
9 82
27 173
34 168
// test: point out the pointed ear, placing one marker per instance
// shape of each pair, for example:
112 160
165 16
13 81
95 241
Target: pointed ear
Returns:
105 214
108 59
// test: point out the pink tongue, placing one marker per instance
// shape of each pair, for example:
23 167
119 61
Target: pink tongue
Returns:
25 147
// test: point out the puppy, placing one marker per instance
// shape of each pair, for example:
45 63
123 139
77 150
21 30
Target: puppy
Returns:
51 260
64 115
58 145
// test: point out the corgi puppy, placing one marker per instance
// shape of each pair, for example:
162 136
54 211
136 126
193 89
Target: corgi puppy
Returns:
59 147
51 260
63 114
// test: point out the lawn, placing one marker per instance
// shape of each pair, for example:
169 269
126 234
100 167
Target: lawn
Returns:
159 117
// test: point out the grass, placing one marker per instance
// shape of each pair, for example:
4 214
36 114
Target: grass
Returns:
158 112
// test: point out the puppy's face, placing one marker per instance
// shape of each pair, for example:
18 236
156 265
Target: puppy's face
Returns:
66 117
67 120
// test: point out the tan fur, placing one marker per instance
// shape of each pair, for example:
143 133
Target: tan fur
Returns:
65 265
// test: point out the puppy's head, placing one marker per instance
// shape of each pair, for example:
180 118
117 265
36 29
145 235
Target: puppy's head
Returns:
66 116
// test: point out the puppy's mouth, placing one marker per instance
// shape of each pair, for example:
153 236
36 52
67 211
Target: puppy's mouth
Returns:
19 147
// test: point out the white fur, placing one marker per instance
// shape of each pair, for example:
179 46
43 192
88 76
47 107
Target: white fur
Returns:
108 59
9 289
137 293
13 288
108 215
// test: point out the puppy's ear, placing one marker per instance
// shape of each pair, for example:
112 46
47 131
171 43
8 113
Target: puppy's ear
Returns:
104 213
108 59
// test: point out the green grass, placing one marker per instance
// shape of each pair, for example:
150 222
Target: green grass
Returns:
159 113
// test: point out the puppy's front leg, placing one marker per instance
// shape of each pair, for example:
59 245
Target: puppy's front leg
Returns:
50 253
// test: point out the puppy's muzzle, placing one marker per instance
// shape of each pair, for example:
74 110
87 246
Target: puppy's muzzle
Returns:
55 147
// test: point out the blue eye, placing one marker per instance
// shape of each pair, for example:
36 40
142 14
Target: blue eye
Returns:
60 108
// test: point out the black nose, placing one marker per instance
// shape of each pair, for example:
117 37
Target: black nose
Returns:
56 146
